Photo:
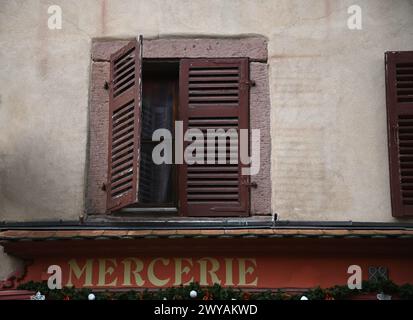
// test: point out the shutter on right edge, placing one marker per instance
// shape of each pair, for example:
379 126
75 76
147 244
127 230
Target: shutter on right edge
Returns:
214 93
399 95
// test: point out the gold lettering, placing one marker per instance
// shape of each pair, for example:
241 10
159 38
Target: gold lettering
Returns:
151 273
104 270
243 271
228 272
203 271
75 269
128 271
179 271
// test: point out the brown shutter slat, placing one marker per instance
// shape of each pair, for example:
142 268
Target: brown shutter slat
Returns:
124 126
399 95
214 93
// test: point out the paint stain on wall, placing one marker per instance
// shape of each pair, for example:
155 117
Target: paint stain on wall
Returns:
42 58
103 16
305 183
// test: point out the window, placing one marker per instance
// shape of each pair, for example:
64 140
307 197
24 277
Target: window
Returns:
399 92
163 58
213 94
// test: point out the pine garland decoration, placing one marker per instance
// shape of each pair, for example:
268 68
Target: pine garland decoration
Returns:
216 292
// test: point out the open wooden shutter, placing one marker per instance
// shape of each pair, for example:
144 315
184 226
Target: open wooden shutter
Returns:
399 92
214 93
124 125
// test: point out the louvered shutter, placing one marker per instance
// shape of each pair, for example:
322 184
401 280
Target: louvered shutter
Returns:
124 125
399 92
214 93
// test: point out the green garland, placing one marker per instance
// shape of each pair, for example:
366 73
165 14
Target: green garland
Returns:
216 292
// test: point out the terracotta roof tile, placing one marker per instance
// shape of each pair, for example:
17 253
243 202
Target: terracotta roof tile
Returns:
11 234
115 233
163 232
335 232
20 235
236 232
212 232
62 234
189 232
90 233
306 232
285 232
138 233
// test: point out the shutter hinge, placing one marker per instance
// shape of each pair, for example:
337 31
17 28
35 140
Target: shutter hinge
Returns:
396 134
104 187
106 85
249 83
250 184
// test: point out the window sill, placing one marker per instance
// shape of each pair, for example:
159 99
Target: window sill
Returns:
165 220
146 210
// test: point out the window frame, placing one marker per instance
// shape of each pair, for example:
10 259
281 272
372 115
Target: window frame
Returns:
255 48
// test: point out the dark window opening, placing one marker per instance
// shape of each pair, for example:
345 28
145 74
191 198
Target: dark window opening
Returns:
157 182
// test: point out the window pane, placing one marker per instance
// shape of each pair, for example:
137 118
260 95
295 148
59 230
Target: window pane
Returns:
155 183
159 97
157 108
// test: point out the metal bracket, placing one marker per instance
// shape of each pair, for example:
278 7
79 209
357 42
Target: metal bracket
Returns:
251 185
250 83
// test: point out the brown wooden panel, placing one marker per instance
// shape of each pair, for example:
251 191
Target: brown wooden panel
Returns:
124 126
214 93
399 97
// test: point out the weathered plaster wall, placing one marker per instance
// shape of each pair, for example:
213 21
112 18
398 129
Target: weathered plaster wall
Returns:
328 121
8 265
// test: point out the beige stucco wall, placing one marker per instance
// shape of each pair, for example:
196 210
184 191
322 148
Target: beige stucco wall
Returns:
329 151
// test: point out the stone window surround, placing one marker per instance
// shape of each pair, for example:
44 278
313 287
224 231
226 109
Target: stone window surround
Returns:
255 48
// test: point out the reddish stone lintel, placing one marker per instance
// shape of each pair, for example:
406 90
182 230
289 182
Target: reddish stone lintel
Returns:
255 48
